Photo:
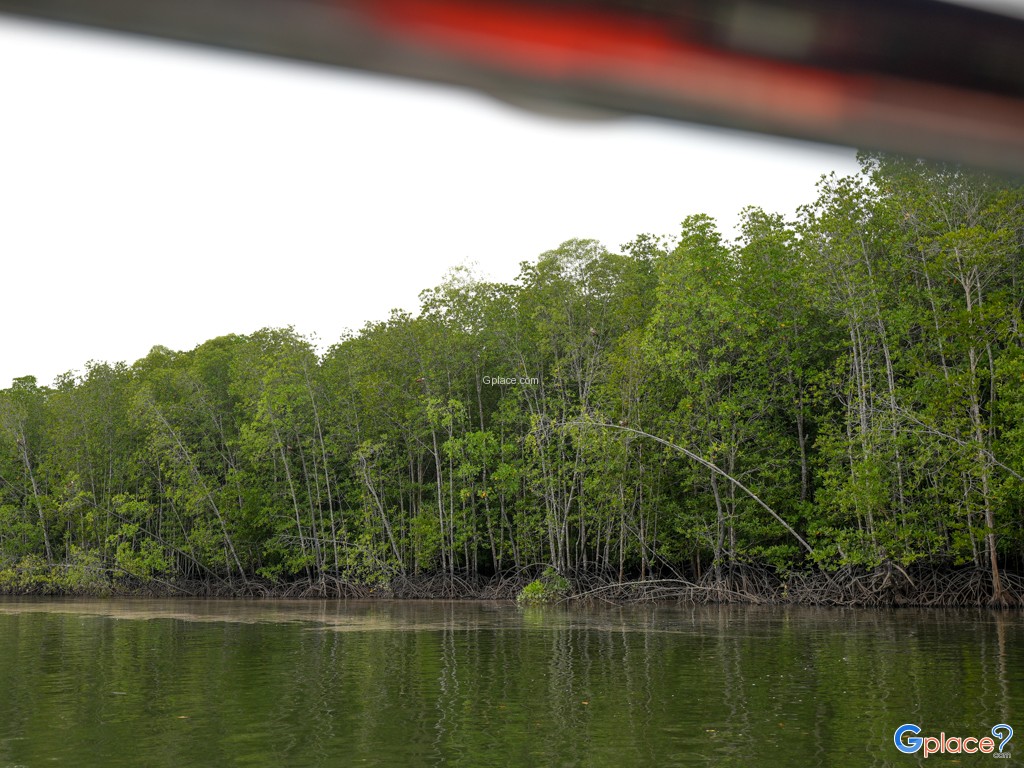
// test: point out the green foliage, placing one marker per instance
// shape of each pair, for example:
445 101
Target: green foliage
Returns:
861 369
135 554
82 574
549 588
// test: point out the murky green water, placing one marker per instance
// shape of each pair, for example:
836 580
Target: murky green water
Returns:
182 683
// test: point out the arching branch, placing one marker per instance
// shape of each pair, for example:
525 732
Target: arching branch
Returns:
703 462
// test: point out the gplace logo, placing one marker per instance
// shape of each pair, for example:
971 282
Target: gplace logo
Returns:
951 745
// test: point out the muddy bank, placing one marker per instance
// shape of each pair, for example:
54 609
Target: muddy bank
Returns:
888 585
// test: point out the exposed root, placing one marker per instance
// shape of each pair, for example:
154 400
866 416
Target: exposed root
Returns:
889 585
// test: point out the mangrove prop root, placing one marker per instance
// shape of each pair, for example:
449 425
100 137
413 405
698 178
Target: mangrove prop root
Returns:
888 585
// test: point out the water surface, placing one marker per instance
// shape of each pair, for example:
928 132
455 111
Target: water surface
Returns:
299 683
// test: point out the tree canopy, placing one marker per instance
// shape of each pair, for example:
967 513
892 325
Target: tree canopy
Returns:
844 390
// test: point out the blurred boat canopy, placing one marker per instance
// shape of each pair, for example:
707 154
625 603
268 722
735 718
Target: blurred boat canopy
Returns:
922 77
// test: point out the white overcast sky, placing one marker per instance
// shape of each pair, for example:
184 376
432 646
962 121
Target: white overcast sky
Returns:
156 193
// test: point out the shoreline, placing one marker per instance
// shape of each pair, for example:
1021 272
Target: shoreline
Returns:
888 586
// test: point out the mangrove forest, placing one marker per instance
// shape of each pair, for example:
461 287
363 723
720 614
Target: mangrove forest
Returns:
827 407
